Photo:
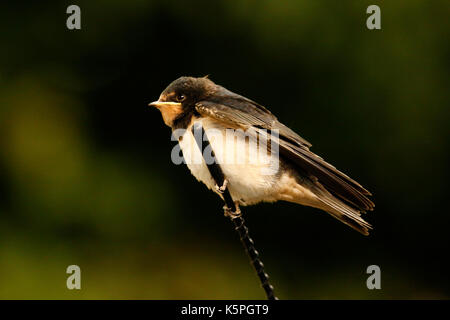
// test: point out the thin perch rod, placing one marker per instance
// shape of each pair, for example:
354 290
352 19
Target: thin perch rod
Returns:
253 254
239 223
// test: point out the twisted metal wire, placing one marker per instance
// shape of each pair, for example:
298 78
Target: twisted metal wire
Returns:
253 254
239 223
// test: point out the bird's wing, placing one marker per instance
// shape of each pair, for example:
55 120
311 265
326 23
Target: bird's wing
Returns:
245 114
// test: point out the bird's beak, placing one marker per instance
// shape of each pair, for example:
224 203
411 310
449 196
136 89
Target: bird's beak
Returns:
158 104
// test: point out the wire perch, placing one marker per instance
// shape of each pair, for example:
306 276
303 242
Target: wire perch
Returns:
235 215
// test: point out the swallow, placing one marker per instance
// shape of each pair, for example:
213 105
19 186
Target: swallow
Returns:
302 177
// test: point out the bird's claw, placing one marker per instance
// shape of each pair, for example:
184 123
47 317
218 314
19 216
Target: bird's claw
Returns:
228 212
223 187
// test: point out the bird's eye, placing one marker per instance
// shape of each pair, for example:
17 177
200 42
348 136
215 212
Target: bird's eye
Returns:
180 97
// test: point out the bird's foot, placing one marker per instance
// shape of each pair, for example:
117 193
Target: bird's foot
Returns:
228 212
223 187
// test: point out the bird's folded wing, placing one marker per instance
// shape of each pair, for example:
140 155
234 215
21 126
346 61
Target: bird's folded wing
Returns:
336 182
247 115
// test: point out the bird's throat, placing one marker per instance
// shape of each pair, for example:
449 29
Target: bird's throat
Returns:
170 113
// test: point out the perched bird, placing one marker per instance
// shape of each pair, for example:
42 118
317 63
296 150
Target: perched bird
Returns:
300 176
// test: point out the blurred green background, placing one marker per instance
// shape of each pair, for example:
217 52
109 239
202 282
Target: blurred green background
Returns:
85 170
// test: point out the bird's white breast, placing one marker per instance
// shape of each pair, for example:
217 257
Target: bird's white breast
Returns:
251 171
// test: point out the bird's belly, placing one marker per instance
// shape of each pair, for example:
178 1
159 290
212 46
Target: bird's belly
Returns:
251 173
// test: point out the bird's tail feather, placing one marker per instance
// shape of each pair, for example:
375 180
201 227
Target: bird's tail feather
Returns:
342 212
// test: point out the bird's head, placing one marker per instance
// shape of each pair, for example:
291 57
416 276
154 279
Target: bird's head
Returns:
180 97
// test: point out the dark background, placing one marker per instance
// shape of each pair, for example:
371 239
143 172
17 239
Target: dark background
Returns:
85 170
